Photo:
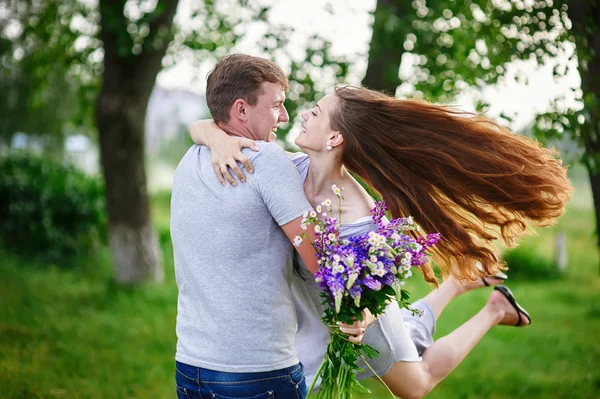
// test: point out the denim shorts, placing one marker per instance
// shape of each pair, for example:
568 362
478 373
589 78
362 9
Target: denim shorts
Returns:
199 383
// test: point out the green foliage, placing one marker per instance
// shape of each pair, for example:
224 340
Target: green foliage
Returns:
525 262
48 65
48 209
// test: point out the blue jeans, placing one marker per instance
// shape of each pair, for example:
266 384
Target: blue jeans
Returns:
198 383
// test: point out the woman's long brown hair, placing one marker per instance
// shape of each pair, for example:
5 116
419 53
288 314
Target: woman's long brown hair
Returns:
457 173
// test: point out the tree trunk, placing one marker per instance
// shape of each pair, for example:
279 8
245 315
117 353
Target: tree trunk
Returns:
585 17
595 182
132 238
128 80
391 24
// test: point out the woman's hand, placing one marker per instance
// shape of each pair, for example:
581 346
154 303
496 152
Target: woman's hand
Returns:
356 330
225 149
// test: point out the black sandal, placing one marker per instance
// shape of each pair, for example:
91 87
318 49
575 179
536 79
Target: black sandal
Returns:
497 276
511 298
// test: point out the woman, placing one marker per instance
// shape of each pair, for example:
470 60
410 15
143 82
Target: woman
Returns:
456 173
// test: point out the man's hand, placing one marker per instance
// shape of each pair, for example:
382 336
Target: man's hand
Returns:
356 330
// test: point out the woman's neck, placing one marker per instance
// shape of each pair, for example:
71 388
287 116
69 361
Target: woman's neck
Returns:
323 172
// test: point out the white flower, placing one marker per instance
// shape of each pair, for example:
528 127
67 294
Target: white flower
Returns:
327 203
303 226
318 208
317 229
373 258
331 236
336 190
297 241
324 214
345 242
336 258
380 272
313 214
305 215
418 247
406 259
338 268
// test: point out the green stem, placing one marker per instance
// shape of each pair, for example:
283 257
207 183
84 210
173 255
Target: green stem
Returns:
377 375
317 375
392 250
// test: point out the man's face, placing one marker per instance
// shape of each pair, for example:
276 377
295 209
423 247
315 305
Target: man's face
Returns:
268 113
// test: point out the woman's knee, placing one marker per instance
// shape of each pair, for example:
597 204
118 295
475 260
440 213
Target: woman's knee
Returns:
408 380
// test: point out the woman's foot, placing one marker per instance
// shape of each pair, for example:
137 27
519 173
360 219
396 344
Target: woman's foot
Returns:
490 281
496 279
503 303
482 282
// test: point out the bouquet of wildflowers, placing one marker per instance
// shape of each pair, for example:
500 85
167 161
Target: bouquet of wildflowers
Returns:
361 272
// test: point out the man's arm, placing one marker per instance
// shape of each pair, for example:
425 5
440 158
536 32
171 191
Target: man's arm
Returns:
305 249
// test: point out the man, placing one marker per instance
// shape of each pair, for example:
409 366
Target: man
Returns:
236 322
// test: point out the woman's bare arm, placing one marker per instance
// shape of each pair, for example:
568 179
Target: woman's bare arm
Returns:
225 149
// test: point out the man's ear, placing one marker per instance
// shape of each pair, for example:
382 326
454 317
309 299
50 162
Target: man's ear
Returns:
239 110
336 139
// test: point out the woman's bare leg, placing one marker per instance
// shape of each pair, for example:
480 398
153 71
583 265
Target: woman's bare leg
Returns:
439 298
414 380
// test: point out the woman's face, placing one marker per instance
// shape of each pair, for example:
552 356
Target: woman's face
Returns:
316 131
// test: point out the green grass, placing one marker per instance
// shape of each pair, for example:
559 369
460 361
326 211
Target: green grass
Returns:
72 333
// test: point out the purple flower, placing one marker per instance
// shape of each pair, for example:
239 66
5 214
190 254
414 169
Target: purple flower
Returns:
371 283
355 293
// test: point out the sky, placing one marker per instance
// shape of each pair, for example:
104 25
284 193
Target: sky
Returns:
348 28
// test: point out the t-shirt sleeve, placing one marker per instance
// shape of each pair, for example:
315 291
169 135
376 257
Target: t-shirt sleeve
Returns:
300 160
278 183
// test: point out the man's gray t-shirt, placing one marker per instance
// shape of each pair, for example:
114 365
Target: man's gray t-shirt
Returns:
233 263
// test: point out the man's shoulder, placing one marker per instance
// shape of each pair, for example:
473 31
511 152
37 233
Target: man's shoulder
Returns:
191 155
268 151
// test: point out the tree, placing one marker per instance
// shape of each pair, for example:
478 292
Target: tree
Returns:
34 91
390 29
110 54
128 77
461 44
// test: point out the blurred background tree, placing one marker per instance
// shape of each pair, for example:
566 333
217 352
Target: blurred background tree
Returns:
456 45
65 63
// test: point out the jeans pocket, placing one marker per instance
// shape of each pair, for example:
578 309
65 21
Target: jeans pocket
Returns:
182 392
266 395
187 385
298 381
